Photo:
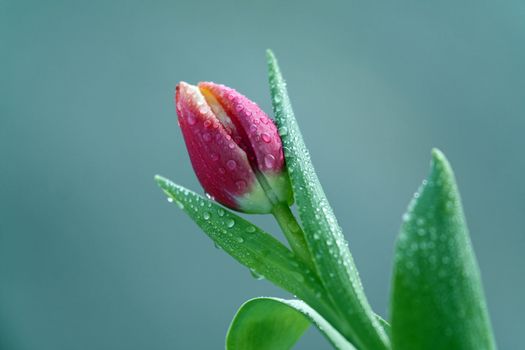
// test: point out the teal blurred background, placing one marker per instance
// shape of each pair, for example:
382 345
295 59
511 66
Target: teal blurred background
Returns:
92 256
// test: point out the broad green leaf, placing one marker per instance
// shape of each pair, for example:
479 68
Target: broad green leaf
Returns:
277 324
323 235
263 254
437 298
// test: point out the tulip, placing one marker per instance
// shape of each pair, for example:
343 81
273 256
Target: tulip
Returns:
234 148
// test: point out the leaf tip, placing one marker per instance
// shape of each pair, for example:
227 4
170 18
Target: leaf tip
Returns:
270 56
160 180
440 168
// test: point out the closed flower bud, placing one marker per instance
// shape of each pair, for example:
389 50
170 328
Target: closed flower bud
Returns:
234 148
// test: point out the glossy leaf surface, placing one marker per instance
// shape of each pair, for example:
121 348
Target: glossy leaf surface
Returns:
437 299
264 255
277 324
323 235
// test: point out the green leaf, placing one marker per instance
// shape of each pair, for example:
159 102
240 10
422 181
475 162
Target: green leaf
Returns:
263 254
437 298
323 235
277 324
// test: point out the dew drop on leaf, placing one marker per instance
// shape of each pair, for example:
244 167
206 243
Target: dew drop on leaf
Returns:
256 275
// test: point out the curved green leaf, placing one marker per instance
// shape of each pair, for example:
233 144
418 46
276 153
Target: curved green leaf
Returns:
437 298
260 252
323 235
277 324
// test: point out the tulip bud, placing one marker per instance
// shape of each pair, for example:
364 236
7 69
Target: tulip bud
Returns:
234 148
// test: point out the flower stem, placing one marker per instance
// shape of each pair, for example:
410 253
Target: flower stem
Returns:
293 233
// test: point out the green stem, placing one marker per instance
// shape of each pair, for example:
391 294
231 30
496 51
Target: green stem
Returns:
293 233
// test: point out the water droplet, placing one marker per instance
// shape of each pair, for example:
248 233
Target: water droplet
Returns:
170 199
266 138
214 157
206 137
283 131
207 123
298 276
230 223
241 185
206 215
220 212
239 239
192 120
231 164
269 161
250 229
256 275
231 145
293 226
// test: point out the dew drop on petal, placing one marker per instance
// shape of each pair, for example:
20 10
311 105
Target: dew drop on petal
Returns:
231 164
206 215
241 185
220 212
192 120
269 161
231 145
266 138
206 137
230 223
